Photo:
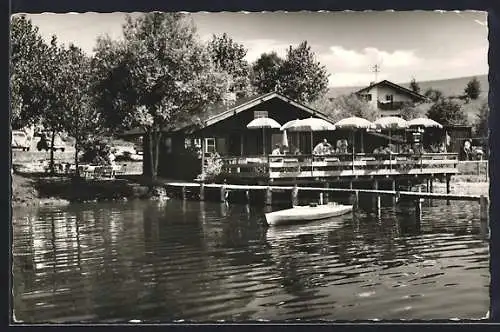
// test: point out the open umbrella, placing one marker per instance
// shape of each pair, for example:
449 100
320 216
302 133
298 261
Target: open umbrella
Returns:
355 123
310 125
263 123
391 122
424 122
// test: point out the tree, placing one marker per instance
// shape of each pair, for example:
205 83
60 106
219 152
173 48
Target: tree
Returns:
447 112
411 111
300 76
81 120
345 106
473 89
265 76
27 64
414 86
159 74
433 94
229 56
481 127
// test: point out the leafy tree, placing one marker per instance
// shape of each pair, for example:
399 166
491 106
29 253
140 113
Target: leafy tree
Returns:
229 56
159 74
301 77
481 125
414 86
433 94
345 106
447 112
411 111
265 72
27 68
473 88
81 119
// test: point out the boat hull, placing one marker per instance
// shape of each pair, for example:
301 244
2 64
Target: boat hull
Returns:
302 214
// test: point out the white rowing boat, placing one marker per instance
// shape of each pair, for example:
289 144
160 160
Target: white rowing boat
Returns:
301 214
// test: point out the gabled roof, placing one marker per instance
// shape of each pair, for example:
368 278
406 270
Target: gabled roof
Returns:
218 112
396 87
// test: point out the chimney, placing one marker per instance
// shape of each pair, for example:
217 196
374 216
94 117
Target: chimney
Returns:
372 83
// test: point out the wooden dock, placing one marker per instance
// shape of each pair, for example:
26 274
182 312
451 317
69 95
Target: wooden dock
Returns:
417 197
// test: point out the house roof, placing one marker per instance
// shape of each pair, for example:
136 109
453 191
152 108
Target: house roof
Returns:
396 87
218 112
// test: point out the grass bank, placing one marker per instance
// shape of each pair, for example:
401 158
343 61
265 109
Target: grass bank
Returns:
53 190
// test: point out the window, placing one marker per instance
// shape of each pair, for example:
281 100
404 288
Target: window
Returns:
168 144
389 97
366 97
188 142
259 114
210 145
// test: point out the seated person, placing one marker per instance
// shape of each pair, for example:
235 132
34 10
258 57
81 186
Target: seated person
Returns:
322 148
277 150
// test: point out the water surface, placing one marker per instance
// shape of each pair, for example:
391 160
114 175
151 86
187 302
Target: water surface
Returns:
200 261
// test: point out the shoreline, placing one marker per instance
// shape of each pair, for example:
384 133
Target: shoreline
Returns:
60 191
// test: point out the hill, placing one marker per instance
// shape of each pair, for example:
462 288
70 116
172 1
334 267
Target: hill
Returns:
449 87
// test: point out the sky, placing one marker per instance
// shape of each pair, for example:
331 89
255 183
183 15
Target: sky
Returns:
414 44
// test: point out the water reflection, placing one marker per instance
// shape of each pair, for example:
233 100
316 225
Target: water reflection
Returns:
206 261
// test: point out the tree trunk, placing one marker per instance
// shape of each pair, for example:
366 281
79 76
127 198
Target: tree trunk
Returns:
77 146
51 164
150 151
157 153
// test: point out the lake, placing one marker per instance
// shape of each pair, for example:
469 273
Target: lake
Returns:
188 261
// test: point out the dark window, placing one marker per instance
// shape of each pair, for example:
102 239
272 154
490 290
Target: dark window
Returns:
366 97
260 114
389 97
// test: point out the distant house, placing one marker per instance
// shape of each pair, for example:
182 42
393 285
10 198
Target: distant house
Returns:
389 97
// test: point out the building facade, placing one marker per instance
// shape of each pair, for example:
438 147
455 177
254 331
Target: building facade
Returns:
389 97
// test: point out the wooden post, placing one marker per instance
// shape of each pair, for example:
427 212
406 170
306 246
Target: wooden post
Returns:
269 196
484 208
223 196
418 207
427 185
393 187
448 178
356 198
183 192
247 195
431 183
202 191
375 187
327 196
295 196
321 198
350 184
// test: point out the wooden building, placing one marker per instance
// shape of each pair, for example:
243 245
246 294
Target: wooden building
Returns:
222 129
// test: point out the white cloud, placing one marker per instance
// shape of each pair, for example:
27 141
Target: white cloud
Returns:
352 79
339 57
258 46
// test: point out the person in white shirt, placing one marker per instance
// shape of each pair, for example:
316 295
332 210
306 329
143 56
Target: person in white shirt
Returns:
276 151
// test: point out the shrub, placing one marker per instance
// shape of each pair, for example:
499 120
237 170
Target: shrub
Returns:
96 152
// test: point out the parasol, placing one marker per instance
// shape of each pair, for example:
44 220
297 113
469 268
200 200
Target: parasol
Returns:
424 122
310 125
263 123
391 122
355 123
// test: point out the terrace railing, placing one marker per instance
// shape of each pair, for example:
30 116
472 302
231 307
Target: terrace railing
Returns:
338 165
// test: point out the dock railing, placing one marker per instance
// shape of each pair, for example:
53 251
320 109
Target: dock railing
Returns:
338 165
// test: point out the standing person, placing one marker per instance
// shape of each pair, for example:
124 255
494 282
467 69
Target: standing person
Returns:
467 150
111 157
